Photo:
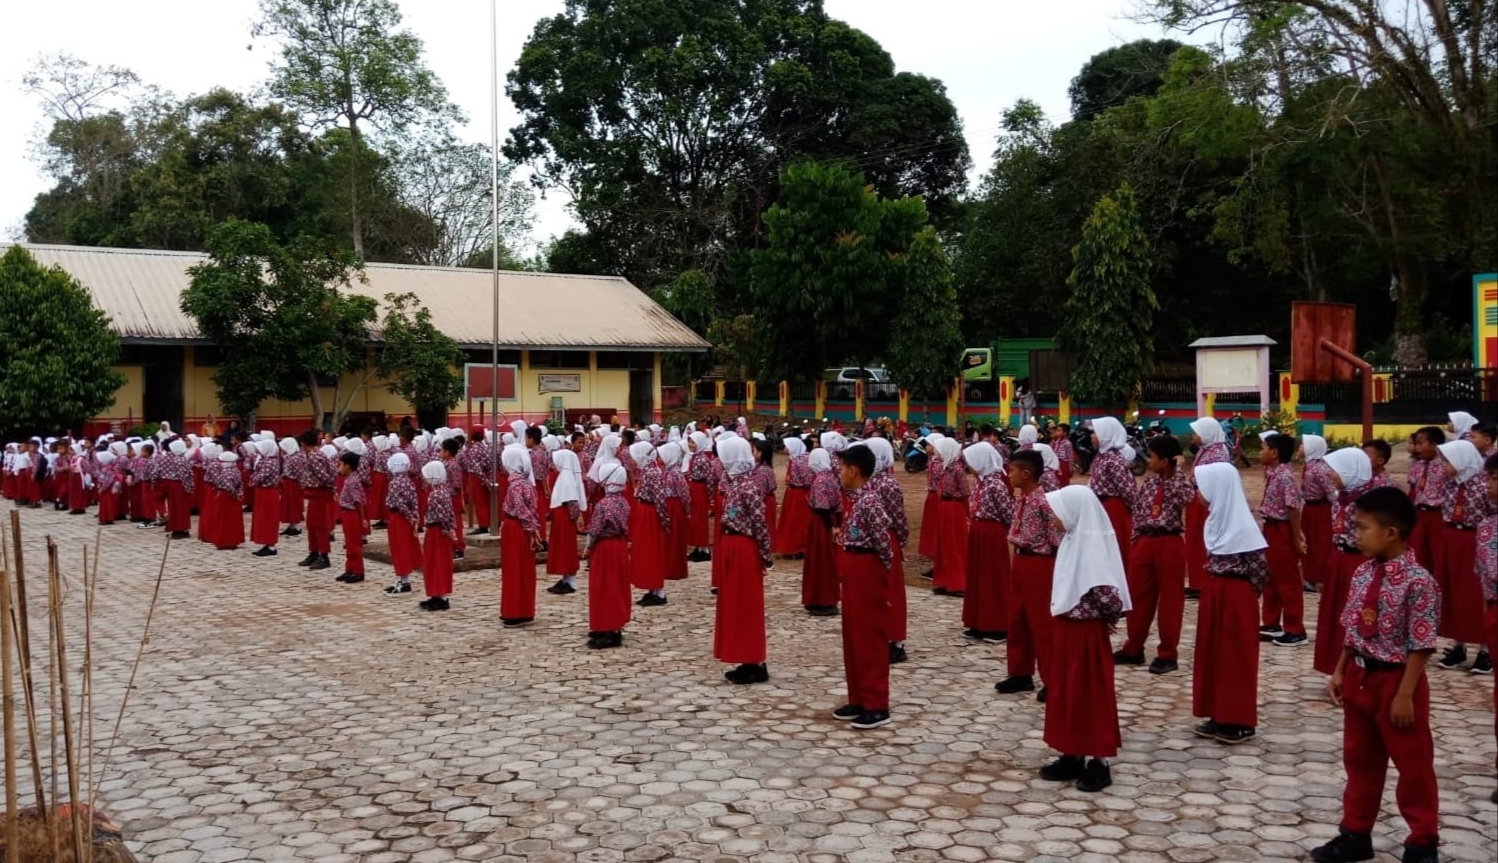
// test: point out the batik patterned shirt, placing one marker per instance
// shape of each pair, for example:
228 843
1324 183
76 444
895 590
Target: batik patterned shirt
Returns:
1281 493
1031 530
1317 482
224 477
291 465
677 487
351 495
798 472
1344 516
316 471
826 495
401 497
1064 452
650 489
1212 453
1406 610
1100 603
1159 506
867 527
1466 503
744 512
609 517
1487 557
1110 476
1251 566
887 490
540 464
520 504
1050 481
993 500
765 476
1428 483
440 513
175 468
952 484
267 473
477 459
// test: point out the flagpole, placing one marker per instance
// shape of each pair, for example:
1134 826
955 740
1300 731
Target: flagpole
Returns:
493 524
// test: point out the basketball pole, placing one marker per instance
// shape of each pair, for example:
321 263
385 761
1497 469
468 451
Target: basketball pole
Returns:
493 490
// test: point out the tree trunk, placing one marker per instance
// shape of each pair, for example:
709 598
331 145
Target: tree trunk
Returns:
353 188
316 396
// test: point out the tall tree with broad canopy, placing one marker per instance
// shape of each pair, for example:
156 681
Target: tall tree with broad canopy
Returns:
58 347
421 363
925 345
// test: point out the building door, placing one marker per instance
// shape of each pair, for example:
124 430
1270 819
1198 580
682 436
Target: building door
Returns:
642 397
161 376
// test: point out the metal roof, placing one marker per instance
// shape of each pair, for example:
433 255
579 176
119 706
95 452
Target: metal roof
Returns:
140 289
1234 342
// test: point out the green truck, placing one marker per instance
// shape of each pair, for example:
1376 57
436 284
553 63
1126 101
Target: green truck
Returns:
1037 359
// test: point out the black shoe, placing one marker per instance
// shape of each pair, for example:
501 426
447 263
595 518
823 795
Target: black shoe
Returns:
478 531
78 512
972 635
1162 666
897 654
1015 685
344 577
1420 854
1290 639
1121 658
822 610
1193 593
605 640
1207 729
458 555
379 525
544 546
265 551
1347 847
1041 695
320 563
995 637
939 591
1454 657
651 600
929 574
354 578
561 588
872 719
1482 665
308 560
292 531
1232 735
181 534
436 603
1095 778
1270 632
517 622
847 712
697 555
398 588
1067 768
746 675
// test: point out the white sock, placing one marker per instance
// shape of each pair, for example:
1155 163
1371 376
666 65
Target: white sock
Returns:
403 579
569 580
661 593
899 644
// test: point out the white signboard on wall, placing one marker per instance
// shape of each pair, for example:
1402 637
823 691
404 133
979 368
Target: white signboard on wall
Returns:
1231 369
559 383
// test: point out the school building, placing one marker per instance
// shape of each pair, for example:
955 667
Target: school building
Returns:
568 345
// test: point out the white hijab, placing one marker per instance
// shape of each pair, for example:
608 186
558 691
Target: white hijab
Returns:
702 442
266 448
819 461
1462 455
434 472
1110 434
642 452
1028 434
1352 466
884 453
614 477
1315 447
949 449
1461 422
399 463
1209 430
1231 528
1048 456
516 461
1088 556
288 445
833 442
795 446
737 456
984 458
671 455
608 450
569 484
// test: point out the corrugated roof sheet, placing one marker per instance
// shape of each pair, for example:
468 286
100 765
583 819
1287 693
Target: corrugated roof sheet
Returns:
140 288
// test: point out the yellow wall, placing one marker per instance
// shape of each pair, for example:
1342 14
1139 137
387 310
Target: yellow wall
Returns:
129 400
1391 432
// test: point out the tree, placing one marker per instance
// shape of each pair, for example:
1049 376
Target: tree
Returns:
1110 314
421 363
345 63
1118 74
59 350
925 344
280 317
451 185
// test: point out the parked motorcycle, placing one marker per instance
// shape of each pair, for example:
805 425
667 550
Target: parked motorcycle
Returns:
1232 435
1081 445
1135 432
913 452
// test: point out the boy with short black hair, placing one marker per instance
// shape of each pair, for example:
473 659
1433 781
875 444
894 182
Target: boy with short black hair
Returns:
1428 481
1157 557
863 565
351 518
1391 613
1284 599
1035 540
1061 443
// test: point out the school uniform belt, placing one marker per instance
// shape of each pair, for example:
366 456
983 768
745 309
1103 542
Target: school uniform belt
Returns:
1276 521
1461 526
944 497
1425 508
349 508
1025 552
1160 531
858 550
1322 502
1345 550
1368 663
1110 497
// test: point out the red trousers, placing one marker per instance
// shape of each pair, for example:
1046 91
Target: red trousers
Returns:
895 627
1196 544
437 563
1330 636
543 506
1081 711
405 551
353 540
1030 615
1425 540
1316 523
1284 596
319 520
951 545
374 505
819 575
109 506
266 518
478 492
1157 582
291 502
1461 590
865 636
77 494
739 621
1225 667
228 519
608 585
1370 741
676 539
1122 520
561 556
986 605
517 571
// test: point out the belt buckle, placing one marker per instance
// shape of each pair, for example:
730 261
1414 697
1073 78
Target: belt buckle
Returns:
1361 663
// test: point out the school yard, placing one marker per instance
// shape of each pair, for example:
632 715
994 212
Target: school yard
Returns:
279 716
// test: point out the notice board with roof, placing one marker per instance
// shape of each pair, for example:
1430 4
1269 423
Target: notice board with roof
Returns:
1232 364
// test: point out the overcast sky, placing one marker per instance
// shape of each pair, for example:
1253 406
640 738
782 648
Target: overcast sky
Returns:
989 53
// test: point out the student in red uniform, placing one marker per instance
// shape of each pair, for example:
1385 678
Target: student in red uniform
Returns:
265 486
744 554
820 587
316 478
1461 594
402 517
291 490
1225 668
1211 447
985 609
519 539
1428 481
795 513
174 476
441 532
1379 682
1284 599
1050 477
351 518
1318 493
1352 476
109 486
568 503
931 509
764 472
1088 596
227 512
540 456
1065 455
702 477
609 561
1487 574
950 572
450 451
1111 479
650 521
1157 568
863 564
884 487
1035 538
678 507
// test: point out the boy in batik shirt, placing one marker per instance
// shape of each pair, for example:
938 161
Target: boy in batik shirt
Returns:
351 518
1284 600
864 565
1157 565
1035 538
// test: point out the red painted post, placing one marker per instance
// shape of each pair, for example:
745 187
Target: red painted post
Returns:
1363 365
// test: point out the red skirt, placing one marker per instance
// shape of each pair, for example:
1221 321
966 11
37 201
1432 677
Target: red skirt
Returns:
1123 526
1081 711
608 585
561 555
1425 541
930 528
795 513
199 488
676 540
1316 524
739 629
951 549
698 533
1196 544
986 606
265 521
109 506
374 504
437 563
77 494
543 507
1330 636
647 548
517 572
208 524
291 501
1462 602
771 517
405 552
1225 667
819 577
228 520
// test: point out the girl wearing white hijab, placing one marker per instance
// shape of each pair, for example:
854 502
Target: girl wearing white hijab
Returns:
650 520
931 507
609 567
1225 676
950 572
1319 491
1462 602
985 609
402 514
1461 424
1050 480
820 585
1111 479
1211 447
568 503
795 512
678 507
1029 435
704 479
743 555
519 538
1088 596
1351 472
441 536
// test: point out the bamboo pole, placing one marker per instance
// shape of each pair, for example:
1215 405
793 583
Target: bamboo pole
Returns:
92 577
54 826
7 684
21 624
70 751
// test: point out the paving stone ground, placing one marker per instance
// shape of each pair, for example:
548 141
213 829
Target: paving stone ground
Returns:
280 716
